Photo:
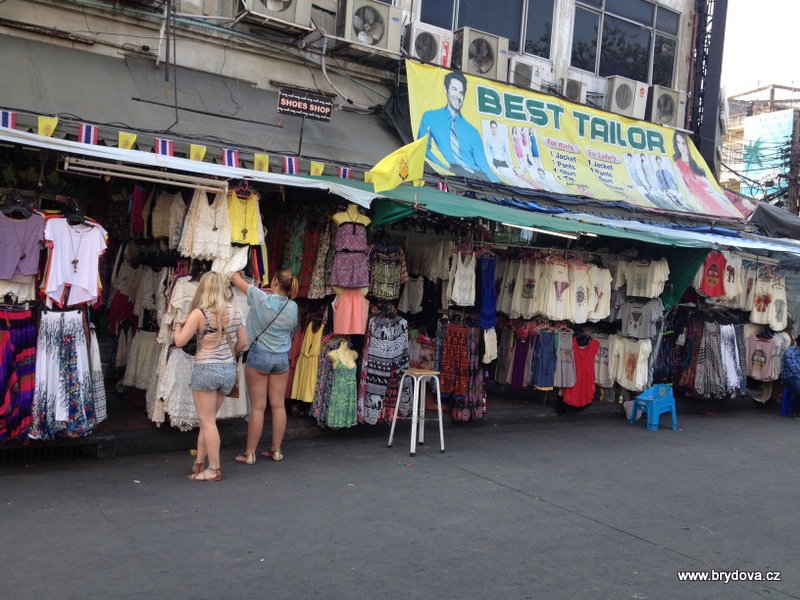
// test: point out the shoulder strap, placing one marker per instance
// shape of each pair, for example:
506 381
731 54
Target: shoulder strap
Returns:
271 322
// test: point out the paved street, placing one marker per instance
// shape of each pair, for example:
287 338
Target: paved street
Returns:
580 509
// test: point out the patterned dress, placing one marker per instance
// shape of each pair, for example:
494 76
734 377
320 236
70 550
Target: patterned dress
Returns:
343 406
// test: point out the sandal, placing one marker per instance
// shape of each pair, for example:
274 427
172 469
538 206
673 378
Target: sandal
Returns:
217 475
198 468
273 455
248 459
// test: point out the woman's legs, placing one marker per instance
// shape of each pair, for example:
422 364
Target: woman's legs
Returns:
277 404
207 404
257 390
202 452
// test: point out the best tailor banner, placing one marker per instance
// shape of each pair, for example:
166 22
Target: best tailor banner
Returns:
486 130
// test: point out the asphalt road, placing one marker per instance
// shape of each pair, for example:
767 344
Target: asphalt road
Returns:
583 509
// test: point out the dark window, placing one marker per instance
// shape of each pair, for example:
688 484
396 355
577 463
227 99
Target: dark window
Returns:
539 28
584 40
664 60
438 13
630 45
485 16
667 21
635 10
625 49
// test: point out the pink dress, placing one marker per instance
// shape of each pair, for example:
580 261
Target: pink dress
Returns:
350 312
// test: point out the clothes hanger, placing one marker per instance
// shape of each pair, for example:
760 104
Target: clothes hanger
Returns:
14 203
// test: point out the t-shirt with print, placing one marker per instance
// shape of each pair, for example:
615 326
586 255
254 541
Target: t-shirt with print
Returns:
760 357
713 280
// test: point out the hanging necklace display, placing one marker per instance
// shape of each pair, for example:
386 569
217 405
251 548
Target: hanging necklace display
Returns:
75 251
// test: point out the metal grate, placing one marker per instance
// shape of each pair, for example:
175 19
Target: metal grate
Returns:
17 457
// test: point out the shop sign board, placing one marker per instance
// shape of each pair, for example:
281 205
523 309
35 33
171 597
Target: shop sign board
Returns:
302 103
487 130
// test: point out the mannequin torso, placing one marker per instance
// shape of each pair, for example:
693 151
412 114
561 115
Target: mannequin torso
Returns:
344 355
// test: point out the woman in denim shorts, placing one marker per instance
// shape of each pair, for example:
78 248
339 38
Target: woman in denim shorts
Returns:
214 372
271 324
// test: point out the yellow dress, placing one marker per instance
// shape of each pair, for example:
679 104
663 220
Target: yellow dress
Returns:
304 385
245 217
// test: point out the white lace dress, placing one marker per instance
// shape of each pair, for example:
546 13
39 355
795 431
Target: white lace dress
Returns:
207 228
174 396
142 357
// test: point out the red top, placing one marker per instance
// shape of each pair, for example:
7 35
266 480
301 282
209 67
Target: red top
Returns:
582 393
713 282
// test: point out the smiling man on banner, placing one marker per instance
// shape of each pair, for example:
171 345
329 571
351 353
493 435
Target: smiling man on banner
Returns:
458 141
405 164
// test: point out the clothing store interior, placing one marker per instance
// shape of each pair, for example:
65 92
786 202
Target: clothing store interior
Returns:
95 270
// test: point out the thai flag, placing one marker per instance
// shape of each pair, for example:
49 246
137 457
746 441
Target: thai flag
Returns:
8 119
230 158
345 172
291 165
165 147
442 185
87 134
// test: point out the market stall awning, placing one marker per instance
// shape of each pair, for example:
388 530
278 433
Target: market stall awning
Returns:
452 205
131 94
113 159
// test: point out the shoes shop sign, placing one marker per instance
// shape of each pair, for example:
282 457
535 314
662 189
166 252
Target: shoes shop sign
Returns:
302 103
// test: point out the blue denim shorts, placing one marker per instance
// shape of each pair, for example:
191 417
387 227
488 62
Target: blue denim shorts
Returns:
213 377
267 362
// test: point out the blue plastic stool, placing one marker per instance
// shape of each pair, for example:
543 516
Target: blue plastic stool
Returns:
655 402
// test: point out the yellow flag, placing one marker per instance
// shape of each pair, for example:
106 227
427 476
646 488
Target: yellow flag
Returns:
367 177
196 152
316 168
405 164
261 162
126 140
47 125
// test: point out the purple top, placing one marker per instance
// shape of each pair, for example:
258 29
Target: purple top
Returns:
352 237
20 243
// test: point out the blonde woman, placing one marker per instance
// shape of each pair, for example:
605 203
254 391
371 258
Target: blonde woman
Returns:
221 336
271 325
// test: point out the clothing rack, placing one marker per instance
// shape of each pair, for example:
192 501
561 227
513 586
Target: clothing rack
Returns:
757 259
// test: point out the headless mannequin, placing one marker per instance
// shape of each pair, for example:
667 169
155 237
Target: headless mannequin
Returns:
351 215
345 354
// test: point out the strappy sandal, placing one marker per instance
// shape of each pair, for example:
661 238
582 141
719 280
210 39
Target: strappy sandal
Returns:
247 459
198 468
273 455
217 475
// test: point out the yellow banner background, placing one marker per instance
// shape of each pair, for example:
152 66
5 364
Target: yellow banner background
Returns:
523 139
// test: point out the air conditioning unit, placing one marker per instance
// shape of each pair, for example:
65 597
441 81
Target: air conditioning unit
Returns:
574 90
626 97
428 43
666 106
281 12
481 54
370 23
524 73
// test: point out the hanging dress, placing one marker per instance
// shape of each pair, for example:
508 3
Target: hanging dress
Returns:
305 376
343 405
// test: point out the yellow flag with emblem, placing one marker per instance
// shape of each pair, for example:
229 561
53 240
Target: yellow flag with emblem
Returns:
47 125
405 164
197 152
316 169
261 162
126 140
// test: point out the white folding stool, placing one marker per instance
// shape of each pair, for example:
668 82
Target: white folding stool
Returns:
420 376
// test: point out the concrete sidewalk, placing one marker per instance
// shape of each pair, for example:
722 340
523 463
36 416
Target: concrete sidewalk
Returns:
564 509
128 431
